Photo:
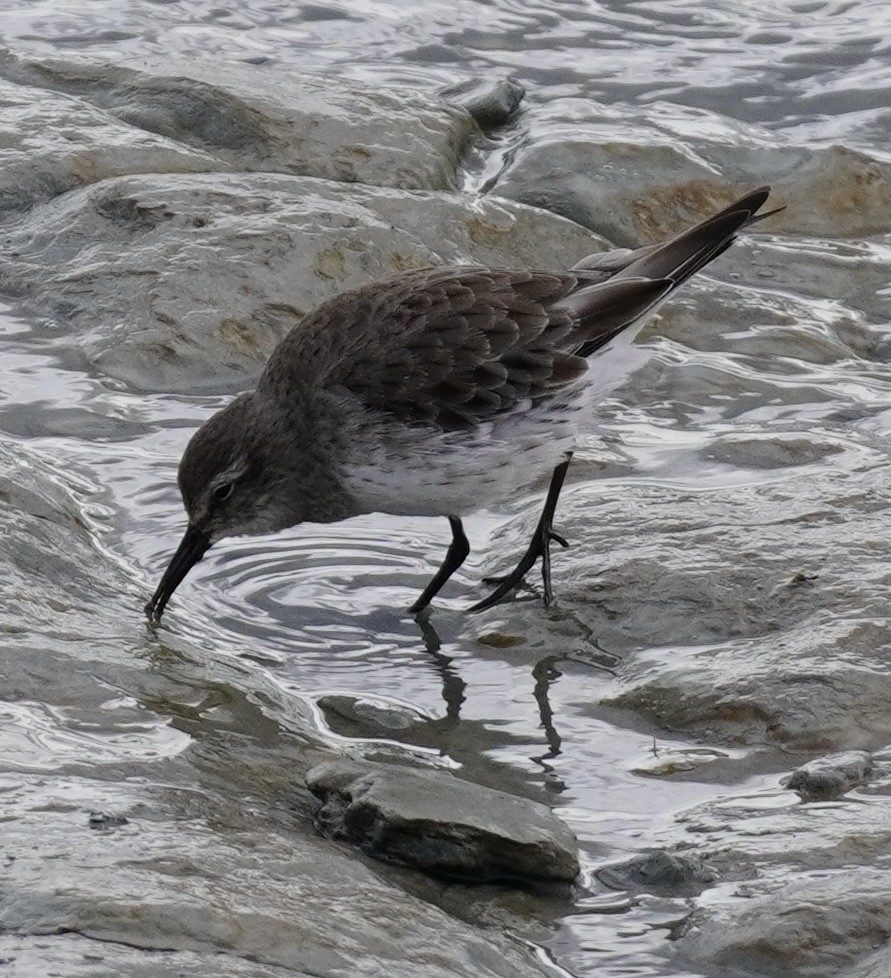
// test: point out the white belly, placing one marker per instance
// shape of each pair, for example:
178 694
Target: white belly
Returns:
418 471
456 473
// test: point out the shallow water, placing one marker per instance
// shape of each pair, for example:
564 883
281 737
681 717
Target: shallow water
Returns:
765 401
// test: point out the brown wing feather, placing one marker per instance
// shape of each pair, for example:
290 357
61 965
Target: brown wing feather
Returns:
451 345
456 346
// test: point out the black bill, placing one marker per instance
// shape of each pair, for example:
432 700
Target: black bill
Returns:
192 548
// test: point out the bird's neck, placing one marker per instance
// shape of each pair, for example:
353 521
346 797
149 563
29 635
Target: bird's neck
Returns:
310 434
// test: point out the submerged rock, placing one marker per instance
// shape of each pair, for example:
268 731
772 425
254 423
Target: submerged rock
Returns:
441 824
661 872
831 776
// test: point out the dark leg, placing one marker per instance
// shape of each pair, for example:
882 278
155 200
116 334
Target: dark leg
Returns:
458 550
539 546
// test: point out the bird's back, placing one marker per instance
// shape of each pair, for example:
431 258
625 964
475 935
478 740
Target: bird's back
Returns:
455 347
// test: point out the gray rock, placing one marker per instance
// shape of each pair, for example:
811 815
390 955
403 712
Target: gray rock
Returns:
734 635
181 281
441 824
615 189
490 103
831 776
661 872
208 899
876 965
637 176
814 926
79 143
93 121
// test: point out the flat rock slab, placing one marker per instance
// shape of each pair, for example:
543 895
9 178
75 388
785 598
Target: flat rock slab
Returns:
441 824
202 899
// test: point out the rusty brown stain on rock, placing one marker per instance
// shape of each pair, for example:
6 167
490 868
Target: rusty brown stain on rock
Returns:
257 336
498 640
239 335
86 168
362 152
482 232
665 211
406 263
162 352
330 263
275 318
837 191
854 186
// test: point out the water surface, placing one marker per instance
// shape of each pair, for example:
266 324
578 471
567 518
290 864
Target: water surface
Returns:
766 392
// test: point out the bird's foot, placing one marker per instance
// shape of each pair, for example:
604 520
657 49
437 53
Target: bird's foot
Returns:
501 578
539 546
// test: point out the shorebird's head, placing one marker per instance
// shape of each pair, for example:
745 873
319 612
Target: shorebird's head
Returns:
239 475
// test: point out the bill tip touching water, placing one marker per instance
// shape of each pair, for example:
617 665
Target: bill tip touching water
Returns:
435 392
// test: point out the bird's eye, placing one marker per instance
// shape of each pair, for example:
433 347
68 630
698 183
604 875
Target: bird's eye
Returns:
222 491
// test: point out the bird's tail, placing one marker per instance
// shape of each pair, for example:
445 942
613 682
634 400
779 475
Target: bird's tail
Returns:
620 288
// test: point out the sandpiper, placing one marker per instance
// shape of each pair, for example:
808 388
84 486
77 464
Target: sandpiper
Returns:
435 392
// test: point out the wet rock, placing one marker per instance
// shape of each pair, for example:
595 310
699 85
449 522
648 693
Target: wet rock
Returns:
606 187
441 824
207 898
51 554
490 103
660 872
74 954
79 143
807 706
174 281
814 926
103 822
769 451
636 176
351 716
831 776
772 837
736 636
188 117
873 966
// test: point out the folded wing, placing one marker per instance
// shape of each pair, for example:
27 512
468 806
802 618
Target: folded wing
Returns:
459 345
